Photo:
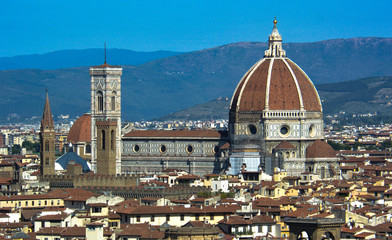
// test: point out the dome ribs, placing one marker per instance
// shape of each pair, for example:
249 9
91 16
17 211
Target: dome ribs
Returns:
310 96
234 101
278 83
283 93
250 95
255 96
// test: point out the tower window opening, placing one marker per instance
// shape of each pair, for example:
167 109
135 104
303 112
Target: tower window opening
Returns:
112 138
113 101
100 101
46 146
103 139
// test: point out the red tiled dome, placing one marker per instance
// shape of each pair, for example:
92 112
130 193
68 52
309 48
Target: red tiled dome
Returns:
320 149
81 130
275 84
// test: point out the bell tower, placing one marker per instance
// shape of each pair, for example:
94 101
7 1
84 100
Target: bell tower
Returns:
106 118
47 139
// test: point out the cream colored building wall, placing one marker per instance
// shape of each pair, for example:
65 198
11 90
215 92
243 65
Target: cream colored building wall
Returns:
80 221
279 192
175 219
358 219
292 192
104 212
48 237
29 203
278 176
111 201
94 233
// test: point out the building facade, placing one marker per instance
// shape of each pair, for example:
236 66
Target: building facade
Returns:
275 116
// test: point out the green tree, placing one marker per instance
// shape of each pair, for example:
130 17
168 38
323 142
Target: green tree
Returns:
36 147
30 146
15 149
204 194
386 144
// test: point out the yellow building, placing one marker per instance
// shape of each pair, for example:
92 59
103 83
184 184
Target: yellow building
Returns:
32 201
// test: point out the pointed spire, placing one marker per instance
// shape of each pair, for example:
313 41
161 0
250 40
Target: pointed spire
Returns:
105 53
275 43
47 119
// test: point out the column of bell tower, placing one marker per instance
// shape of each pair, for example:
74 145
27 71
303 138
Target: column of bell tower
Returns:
47 141
106 119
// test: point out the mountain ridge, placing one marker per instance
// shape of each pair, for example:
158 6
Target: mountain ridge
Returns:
157 88
367 95
72 58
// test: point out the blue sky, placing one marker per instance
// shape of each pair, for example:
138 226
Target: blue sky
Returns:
28 27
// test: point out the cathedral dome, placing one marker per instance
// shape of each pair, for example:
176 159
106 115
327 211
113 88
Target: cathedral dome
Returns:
80 130
275 83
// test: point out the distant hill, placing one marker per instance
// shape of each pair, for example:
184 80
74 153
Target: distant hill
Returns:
358 96
167 85
212 110
78 58
367 95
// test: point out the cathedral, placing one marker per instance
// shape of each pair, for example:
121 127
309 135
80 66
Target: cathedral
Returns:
275 122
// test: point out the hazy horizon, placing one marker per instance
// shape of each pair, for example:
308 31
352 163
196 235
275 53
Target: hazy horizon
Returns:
182 26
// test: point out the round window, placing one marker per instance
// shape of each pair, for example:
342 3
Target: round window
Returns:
216 149
189 149
252 129
162 149
136 148
284 131
312 131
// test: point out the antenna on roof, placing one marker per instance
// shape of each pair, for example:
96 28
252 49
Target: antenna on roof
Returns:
105 52
46 90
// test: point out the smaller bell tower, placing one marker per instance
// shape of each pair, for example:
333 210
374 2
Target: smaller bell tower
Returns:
47 139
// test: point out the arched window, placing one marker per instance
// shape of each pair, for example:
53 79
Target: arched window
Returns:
112 140
100 100
322 172
113 101
46 146
103 139
88 148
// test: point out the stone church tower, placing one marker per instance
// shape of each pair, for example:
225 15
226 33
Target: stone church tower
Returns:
106 119
47 139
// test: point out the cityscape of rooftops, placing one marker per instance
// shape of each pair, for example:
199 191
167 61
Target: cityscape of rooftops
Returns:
196 120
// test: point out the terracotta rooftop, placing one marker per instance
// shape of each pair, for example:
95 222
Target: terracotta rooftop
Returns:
285 145
142 210
105 65
57 217
285 84
320 149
